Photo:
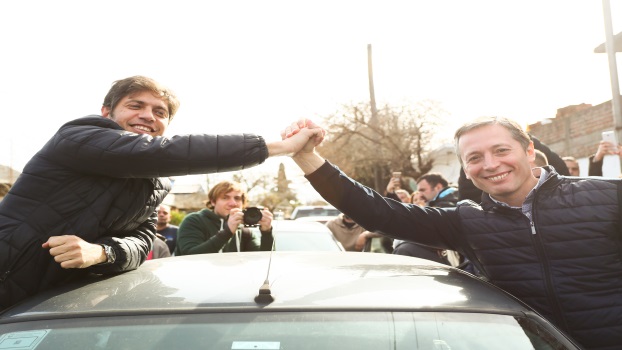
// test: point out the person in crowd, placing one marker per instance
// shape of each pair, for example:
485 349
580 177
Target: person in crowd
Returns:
403 195
573 166
159 249
467 190
351 236
436 192
540 158
86 201
220 227
418 199
553 241
596 160
164 227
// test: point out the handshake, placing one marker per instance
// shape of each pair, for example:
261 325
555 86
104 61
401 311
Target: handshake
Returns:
300 137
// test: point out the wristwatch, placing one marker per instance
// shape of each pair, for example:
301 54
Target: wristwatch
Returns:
110 254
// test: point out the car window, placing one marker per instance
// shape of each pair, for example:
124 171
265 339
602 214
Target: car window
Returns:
288 330
305 241
304 212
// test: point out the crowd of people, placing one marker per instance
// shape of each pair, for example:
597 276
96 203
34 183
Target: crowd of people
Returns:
90 201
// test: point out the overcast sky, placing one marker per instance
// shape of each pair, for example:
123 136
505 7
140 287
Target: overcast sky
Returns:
255 66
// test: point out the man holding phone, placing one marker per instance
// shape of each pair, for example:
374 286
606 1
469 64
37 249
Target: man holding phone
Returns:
606 147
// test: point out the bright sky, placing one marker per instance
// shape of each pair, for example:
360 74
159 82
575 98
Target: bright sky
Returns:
256 66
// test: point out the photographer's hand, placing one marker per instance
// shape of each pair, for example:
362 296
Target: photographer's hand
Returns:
265 224
236 217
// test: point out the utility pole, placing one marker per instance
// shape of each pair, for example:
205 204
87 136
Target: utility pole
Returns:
374 122
613 70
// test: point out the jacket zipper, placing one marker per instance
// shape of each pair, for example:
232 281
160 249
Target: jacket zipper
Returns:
537 239
4 275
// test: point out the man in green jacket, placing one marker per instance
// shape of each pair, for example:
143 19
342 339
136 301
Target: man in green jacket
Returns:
220 227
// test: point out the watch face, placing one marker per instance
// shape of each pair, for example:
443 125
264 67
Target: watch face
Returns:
110 254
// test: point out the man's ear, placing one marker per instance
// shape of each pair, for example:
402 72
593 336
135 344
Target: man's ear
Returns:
105 112
531 152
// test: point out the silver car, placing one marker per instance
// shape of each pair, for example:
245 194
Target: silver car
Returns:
280 300
296 235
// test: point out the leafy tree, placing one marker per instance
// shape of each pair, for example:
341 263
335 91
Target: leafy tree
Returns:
398 140
276 194
177 217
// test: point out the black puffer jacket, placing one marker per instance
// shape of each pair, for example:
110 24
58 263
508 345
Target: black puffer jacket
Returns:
99 182
566 262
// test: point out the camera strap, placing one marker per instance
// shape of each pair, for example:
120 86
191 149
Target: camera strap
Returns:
238 236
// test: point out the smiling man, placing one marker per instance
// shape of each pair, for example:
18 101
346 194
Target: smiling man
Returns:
217 228
552 241
86 201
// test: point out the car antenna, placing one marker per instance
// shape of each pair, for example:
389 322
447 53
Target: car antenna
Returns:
265 294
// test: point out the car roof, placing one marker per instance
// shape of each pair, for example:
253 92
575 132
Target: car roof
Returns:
297 281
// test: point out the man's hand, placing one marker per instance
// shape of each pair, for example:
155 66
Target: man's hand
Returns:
360 241
72 252
236 217
265 224
393 184
302 136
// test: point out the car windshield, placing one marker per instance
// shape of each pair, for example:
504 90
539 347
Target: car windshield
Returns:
285 330
301 212
304 241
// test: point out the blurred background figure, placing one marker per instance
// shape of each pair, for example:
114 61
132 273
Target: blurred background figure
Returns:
596 161
432 190
417 199
572 165
347 232
541 159
159 249
164 227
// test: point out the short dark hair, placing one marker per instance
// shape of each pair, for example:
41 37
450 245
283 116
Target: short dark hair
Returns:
138 83
434 179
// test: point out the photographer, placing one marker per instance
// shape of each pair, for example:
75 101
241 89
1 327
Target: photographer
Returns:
223 226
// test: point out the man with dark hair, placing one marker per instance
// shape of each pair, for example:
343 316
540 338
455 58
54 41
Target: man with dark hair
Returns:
86 201
217 229
550 240
436 190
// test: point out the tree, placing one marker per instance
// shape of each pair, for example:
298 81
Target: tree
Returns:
400 141
276 195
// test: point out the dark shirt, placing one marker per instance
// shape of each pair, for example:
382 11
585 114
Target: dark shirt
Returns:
170 233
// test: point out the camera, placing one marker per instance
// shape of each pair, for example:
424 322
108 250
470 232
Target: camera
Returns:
252 215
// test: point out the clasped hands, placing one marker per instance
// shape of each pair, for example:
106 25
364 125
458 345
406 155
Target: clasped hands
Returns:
303 136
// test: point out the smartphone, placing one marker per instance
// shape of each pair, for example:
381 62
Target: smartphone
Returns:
610 136
397 175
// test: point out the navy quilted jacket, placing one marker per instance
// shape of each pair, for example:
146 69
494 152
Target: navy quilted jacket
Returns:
97 181
566 263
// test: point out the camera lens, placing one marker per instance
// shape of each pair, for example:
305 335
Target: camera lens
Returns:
252 215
